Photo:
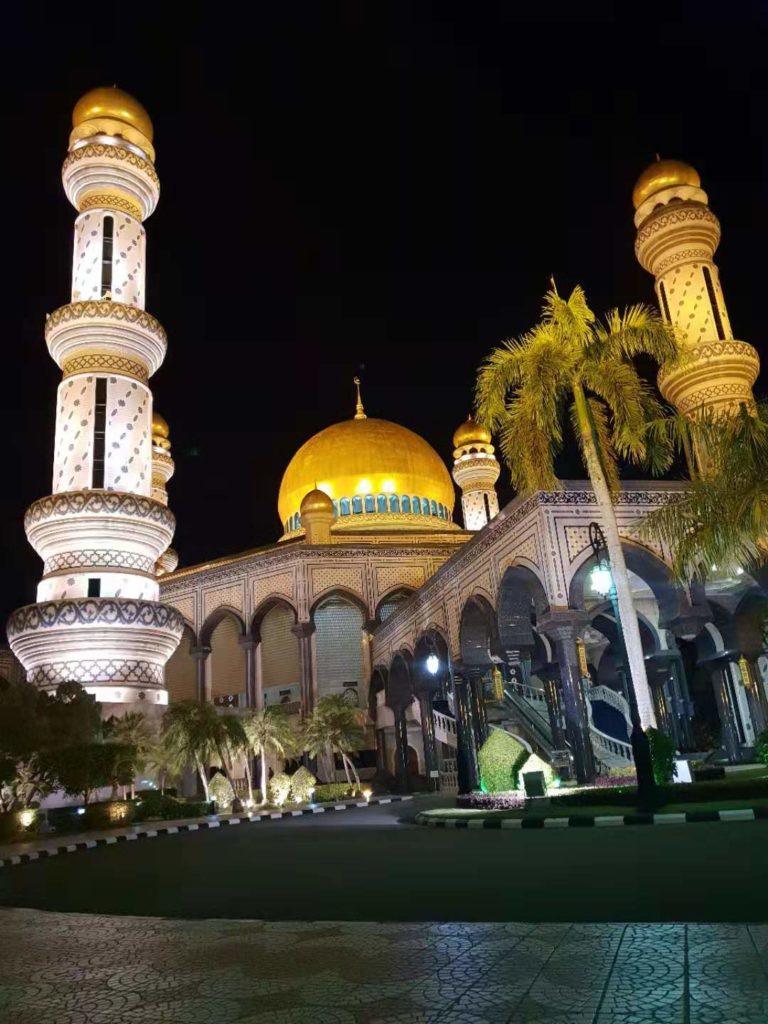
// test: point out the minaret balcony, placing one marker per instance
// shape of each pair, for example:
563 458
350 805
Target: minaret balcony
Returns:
131 531
717 375
114 171
681 232
108 642
105 337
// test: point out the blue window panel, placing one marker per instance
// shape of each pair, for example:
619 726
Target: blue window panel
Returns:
440 512
344 506
370 505
394 503
357 505
405 503
425 506
336 507
381 503
298 521
434 508
416 505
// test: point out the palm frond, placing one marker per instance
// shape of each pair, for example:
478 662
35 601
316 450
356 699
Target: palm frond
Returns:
627 396
570 318
639 330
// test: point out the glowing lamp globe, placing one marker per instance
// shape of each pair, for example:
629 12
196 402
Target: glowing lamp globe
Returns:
601 580
433 664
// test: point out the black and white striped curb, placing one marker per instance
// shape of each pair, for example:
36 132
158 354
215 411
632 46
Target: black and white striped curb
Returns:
597 821
192 826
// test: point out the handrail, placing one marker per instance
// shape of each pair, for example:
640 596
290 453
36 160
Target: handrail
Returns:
611 697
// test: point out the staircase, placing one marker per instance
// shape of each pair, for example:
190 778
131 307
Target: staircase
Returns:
524 714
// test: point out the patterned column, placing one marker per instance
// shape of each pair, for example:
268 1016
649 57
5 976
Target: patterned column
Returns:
250 645
466 748
730 738
401 751
200 656
479 714
304 631
562 628
428 731
550 676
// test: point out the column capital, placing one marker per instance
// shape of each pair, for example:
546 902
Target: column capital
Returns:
303 629
567 624
690 624
200 653
248 642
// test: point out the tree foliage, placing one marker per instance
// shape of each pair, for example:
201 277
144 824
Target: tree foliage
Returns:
334 728
500 759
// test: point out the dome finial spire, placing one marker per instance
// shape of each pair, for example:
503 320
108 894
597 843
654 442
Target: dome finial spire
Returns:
359 410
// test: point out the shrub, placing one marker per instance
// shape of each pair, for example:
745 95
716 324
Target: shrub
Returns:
491 801
18 824
157 805
330 791
761 747
662 756
278 788
500 759
109 814
302 785
220 790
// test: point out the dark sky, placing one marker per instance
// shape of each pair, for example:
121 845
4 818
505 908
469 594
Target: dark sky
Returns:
379 184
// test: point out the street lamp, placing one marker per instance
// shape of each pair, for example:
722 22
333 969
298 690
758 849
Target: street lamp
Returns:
602 582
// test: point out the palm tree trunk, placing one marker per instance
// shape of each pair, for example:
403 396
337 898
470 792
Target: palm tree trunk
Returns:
351 763
249 781
344 766
204 780
263 759
627 613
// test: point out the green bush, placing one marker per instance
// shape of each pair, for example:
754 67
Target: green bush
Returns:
328 792
662 756
109 814
278 789
302 785
18 824
500 759
761 747
220 790
153 804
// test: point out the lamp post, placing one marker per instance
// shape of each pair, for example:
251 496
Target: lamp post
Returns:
603 584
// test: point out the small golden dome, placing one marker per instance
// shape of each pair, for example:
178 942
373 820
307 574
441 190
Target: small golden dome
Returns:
114 104
663 174
470 432
315 501
368 458
159 426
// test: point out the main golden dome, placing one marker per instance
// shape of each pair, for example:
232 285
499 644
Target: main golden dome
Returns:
378 475
663 174
108 110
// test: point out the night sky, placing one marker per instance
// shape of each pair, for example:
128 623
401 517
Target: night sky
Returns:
381 188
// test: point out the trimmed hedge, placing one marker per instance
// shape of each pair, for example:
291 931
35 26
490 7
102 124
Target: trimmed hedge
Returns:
328 791
683 793
157 805
500 759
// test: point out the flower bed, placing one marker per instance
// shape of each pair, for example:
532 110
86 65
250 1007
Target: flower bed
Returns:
509 800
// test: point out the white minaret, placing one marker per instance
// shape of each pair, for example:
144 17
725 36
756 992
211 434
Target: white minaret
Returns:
677 235
101 532
162 471
475 470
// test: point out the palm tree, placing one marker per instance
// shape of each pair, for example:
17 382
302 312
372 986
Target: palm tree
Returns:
334 728
573 360
268 730
133 730
196 734
164 762
721 521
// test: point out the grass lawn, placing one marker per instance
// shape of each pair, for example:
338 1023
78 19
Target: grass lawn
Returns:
593 810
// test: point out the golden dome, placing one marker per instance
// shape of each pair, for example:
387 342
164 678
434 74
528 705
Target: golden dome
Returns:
663 174
315 501
159 426
470 432
114 104
369 459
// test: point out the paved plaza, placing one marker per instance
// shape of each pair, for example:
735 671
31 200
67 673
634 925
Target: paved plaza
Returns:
82 969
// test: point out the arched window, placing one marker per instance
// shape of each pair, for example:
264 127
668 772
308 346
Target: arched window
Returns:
227 659
425 506
405 503
336 507
181 670
298 521
370 503
394 503
280 668
416 506
344 506
440 511
338 646
433 505
357 505
381 503
108 233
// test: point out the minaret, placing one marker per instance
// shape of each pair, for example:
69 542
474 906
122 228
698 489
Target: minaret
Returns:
317 515
162 471
98 620
475 470
677 235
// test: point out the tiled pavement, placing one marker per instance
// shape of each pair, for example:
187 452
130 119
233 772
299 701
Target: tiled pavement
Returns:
81 969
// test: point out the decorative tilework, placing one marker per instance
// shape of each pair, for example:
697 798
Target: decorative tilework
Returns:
346 577
231 597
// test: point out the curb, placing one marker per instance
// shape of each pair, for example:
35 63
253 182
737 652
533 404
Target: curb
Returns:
597 821
193 826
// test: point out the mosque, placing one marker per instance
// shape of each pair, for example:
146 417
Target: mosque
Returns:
435 630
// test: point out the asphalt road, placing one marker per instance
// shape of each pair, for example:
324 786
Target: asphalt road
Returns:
370 865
